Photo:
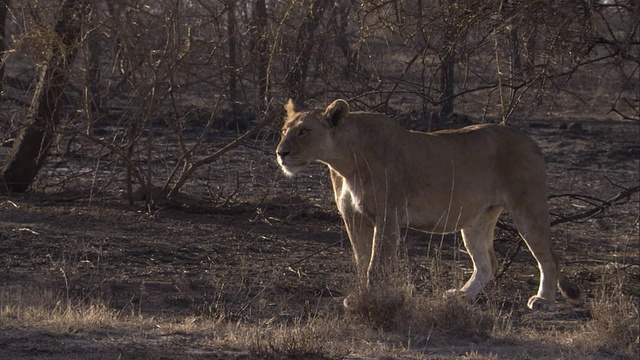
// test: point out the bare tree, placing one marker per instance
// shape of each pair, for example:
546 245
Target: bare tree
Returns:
180 66
232 28
339 20
4 7
92 96
260 51
448 62
302 53
33 143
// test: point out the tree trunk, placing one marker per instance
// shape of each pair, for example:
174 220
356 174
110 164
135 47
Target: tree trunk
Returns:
447 78
34 140
304 45
93 99
340 20
516 61
232 61
448 63
260 51
4 7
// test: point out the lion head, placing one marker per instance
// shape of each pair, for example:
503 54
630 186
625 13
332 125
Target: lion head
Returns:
308 136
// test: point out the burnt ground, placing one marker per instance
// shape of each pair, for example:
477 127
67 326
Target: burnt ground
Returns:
251 246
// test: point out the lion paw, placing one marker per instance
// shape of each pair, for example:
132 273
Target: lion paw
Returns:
348 302
457 294
538 303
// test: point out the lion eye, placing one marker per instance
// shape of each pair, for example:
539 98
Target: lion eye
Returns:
303 132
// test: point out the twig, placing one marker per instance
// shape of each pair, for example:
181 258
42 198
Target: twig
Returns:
190 167
296 262
621 198
312 254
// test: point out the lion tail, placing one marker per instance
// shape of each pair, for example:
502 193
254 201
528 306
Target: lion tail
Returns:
568 289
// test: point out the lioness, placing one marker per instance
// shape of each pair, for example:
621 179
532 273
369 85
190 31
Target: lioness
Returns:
386 177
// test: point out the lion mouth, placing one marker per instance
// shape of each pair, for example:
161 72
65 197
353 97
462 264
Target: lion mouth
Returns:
289 168
290 171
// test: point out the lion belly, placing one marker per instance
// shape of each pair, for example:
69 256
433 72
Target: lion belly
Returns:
441 221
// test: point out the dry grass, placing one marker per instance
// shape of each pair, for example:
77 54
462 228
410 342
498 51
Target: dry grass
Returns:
314 338
614 327
393 306
46 310
390 319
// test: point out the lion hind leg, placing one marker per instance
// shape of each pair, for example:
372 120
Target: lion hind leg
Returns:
478 240
534 227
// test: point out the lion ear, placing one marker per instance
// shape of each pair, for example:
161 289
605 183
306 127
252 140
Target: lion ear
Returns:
336 111
290 108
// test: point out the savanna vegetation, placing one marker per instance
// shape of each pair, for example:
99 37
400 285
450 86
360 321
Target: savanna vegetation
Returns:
142 214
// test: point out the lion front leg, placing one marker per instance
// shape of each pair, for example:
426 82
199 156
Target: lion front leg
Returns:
360 228
375 255
384 252
360 232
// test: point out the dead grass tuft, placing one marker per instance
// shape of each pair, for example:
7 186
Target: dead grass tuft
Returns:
315 338
383 305
614 327
45 309
393 306
455 317
474 355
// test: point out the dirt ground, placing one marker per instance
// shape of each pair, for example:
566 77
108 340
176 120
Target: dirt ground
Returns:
250 246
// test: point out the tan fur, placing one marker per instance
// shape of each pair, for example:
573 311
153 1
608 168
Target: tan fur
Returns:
386 178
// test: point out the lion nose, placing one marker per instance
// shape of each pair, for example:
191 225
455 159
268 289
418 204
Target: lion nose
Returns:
283 153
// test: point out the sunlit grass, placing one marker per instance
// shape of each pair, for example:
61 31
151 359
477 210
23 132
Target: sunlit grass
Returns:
391 320
614 327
